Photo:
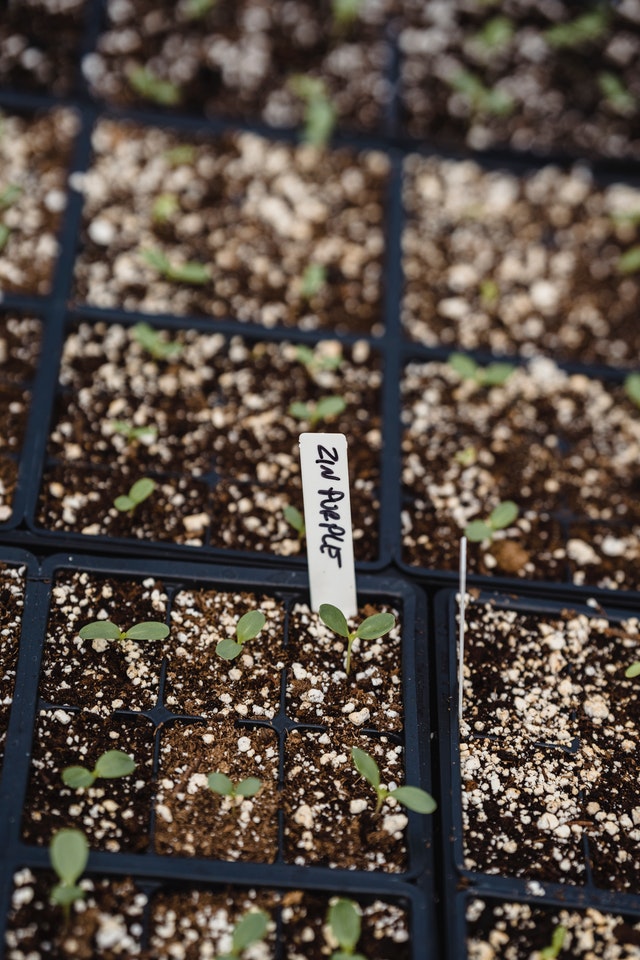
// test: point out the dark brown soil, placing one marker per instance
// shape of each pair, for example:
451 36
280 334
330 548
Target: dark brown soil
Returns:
40 45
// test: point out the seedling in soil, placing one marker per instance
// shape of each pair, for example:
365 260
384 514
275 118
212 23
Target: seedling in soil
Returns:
319 112
220 783
146 84
192 272
195 9
165 206
372 628
493 375
343 920
146 434
313 280
633 670
489 292
182 155
152 341
629 262
141 490
345 12
586 28
466 457
495 36
7 198
500 517
296 520
482 100
557 944
616 94
632 387
414 798
109 766
108 630
247 627
251 928
314 413
319 360
68 852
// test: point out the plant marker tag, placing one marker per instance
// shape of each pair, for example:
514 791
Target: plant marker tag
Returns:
327 518
461 625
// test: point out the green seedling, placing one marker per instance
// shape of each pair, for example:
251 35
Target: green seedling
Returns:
165 206
182 155
633 670
140 491
345 12
616 94
414 798
319 113
247 628
153 342
586 28
466 457
108 630
489 292
195 9
495 36
629 262
372 628
8 197
325 409
313 280
251 928
109 766
146 434
343 920
146 84
296 520
500 517
482 100
191 272
557 943
632 388
318 360
493 375
69 853
220 783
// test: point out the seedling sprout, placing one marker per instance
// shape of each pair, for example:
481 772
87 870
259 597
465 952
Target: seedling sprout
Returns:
343 920
319 112
495 36
222 784
557 944
195 9
146 84
146 434
313 280
493 375
482 100
345 12
8 197
69 853
414 798
616 94
629 261
500 517
632 387
295 519
633 670
109 766
154 343
314 413
325 358
247 627
191 272
251 928
372 628
140 491
165 206
584 29
107 630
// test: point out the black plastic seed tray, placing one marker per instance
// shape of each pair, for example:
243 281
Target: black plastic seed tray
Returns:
151 700
534 788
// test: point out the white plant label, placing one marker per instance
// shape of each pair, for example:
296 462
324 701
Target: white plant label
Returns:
327 519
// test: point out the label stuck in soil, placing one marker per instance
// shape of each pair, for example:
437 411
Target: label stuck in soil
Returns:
327 516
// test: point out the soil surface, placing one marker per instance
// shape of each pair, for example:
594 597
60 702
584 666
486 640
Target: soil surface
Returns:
562 447
549 747
523 264
254 214
228 450
40 45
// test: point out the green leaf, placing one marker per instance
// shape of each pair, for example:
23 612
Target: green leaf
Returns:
366 766
178 156
496 34
300 411
76 777
503 515
557 944
159 262
198 8
295 519
415 799
633 670
220 783
251 927
344 920
146 84
228 649
142 489
632 387
164 207
248 787
334 619
101 630
64 894
588 27
148 630
123 503
463 365
376 626
9 195
344 12
496 374
329 407
629 262
320 119
69 853
477 530
250 625
114 763
313 280
192 272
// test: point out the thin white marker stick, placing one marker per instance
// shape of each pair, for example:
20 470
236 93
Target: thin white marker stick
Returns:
461 625
327 519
